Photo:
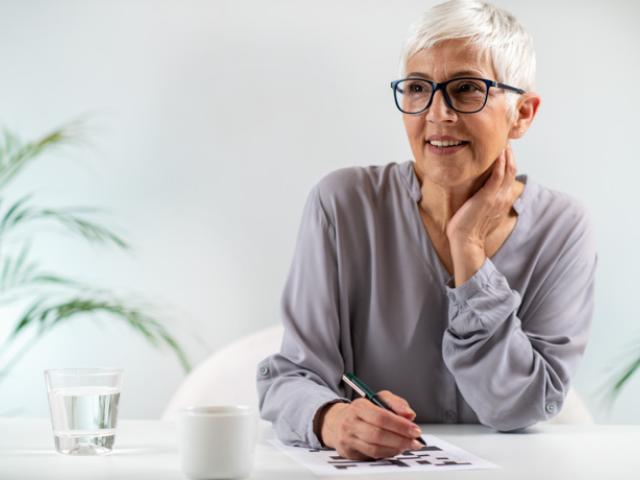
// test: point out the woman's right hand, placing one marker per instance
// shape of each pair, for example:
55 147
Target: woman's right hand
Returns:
361 430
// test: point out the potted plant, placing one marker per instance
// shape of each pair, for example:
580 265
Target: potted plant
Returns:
50 299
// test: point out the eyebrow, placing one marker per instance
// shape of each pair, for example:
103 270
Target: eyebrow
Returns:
462 73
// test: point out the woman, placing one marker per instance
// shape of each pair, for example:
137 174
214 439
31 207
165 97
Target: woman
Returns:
462 291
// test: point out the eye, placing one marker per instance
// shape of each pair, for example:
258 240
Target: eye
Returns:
468 86
416 87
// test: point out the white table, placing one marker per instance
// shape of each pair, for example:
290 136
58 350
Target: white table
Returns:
147 449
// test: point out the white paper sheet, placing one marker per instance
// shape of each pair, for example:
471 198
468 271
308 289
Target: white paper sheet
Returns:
437 455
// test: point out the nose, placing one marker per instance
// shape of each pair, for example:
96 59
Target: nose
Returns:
439 111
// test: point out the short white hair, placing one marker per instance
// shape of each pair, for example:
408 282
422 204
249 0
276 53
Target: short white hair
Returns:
490 29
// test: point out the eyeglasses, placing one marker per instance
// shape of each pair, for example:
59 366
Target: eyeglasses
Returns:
464 95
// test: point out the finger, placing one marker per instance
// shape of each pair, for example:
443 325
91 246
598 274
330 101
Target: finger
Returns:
374 451
370 413
397 404
494 182
510 168
351 453
505 196
379 436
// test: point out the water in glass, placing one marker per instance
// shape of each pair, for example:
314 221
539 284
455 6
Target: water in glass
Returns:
84 419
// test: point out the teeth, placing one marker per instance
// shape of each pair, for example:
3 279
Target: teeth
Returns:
447 143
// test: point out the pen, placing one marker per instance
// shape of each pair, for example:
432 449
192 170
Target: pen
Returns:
363 390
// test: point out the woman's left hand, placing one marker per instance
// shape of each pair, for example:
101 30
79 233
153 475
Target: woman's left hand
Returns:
472 224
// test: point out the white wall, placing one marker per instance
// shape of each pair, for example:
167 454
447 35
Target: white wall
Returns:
209 186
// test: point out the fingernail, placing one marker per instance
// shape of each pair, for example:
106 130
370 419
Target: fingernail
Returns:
416 431
416 445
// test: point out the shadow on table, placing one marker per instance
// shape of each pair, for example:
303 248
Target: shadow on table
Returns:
474 431
117 452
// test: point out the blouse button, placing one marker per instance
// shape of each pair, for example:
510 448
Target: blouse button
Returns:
551 407
264 370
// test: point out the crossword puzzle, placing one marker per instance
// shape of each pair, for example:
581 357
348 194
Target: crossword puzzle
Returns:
437 455
404 460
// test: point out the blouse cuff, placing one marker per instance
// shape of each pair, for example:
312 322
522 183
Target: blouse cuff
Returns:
472 286
482 303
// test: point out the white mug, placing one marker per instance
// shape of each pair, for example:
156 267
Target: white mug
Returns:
217 441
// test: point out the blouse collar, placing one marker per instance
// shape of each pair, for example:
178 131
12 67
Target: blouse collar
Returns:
413 186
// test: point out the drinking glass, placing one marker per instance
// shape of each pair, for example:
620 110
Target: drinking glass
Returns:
84 408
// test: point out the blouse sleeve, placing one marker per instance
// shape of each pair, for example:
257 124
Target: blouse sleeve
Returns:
515 371
305 375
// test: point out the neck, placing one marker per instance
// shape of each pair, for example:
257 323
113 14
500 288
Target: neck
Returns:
440 204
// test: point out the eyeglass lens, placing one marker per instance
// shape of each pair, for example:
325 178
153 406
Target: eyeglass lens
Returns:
465 95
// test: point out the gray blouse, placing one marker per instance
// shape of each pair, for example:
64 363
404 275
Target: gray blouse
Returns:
367 294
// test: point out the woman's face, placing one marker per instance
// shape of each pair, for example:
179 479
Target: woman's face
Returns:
486 132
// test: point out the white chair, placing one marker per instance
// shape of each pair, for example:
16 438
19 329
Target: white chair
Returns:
228 376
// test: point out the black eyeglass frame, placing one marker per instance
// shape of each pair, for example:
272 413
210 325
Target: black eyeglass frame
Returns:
443 86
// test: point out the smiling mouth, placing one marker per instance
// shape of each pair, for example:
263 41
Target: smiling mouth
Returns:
446 144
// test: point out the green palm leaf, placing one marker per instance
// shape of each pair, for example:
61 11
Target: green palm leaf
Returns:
23 278
22 212
15 155
19 273
623 378
616 378
42 318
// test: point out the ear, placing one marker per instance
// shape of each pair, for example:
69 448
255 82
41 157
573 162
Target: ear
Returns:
526 110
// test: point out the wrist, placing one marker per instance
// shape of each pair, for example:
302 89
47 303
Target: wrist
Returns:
326 420
463 242
468 258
